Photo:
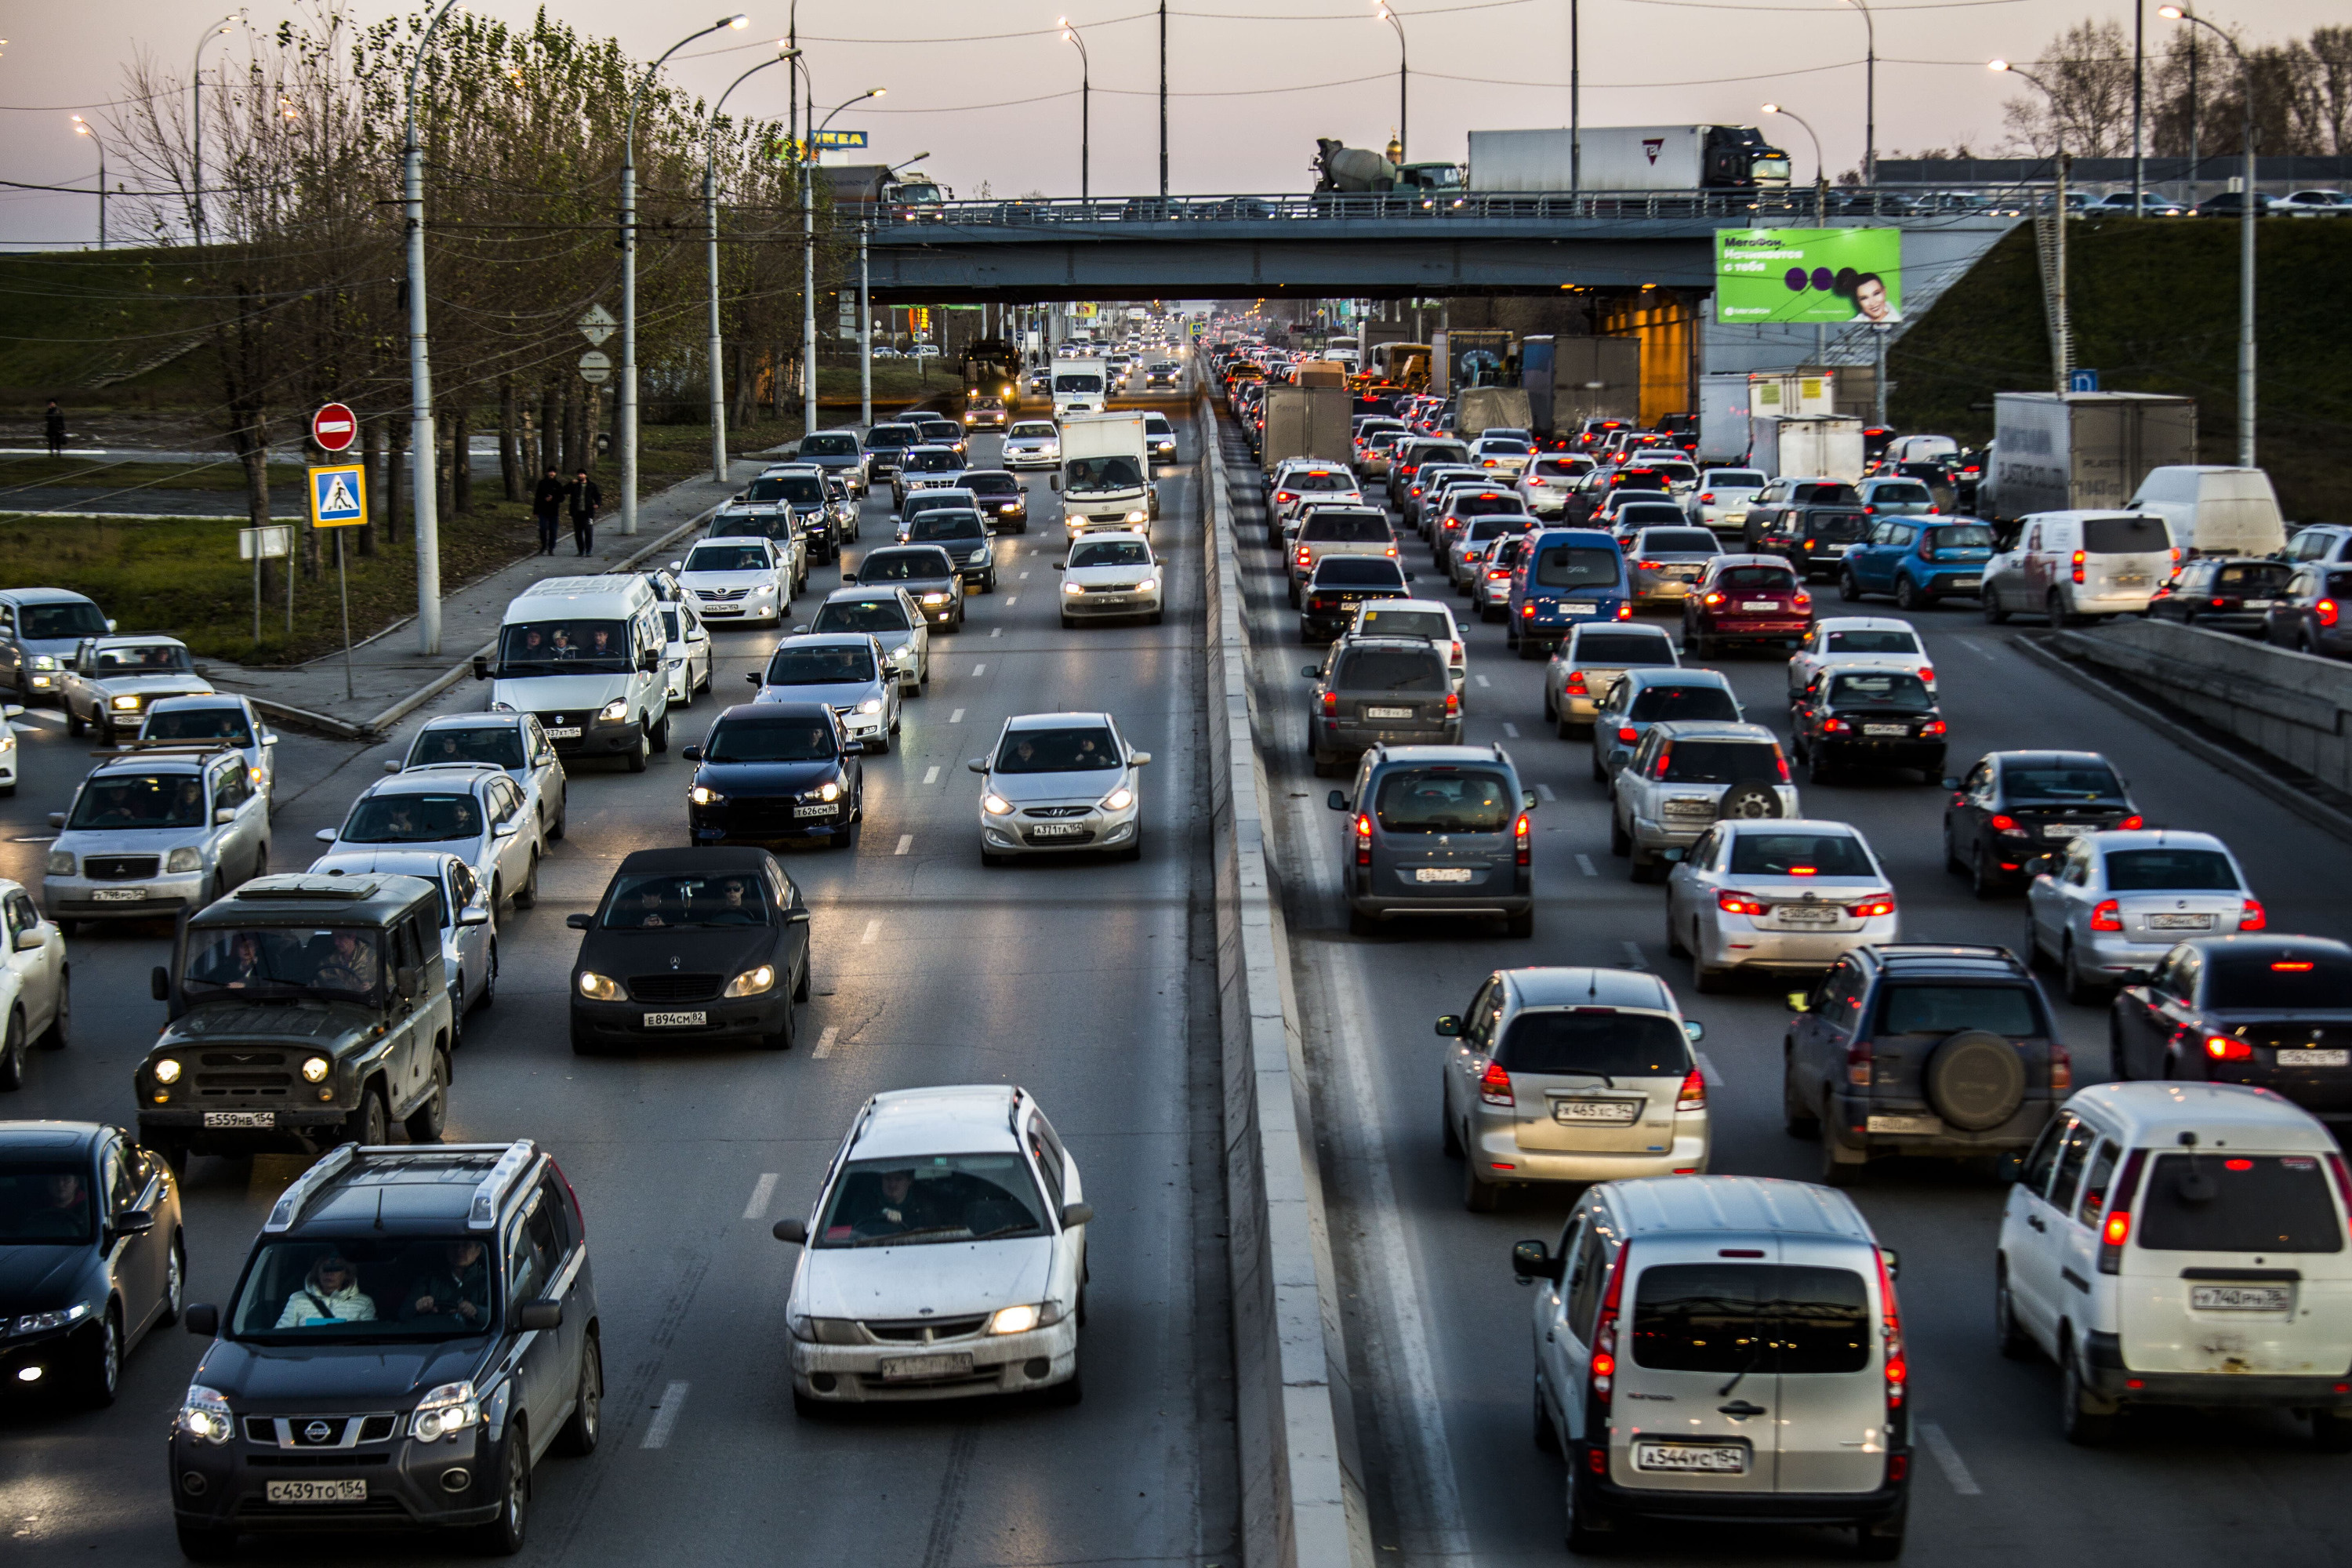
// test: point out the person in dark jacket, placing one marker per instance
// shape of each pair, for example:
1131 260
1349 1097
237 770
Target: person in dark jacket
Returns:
584 499
54 423
545 502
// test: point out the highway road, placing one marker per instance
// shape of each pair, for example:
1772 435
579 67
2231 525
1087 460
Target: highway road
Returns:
1438 1331
1089 982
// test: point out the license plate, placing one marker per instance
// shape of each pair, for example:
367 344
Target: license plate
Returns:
2130 580
317 1491
1388 712
2240 1298
117 895
2181 922
2067 829
1441 874
1576 609
677 1020
570 734
1801 915
812 811
1057 831
1964 583
2314 1059
899 1368
1905 1124
1759 605
240 1119
1710 1459
1605 1112
1897 730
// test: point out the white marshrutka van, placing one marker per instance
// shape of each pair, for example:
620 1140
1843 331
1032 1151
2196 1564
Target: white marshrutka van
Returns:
588 656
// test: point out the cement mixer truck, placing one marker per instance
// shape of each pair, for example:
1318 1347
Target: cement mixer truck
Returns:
1354 171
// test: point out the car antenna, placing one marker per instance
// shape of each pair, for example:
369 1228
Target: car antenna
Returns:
379 1208
1591 983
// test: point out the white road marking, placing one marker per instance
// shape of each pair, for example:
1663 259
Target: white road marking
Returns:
664 1421
22 728
873 930
1633 956
931 773
997 631
45 715
1546 790
1025 576
825 1041
1010 600
905 842
1713 1078
1510 730
1977 649
1483 681
1584 864
1949 1460
956 717
764 1192
979 669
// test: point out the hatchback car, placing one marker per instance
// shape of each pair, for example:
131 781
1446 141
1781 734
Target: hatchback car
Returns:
781 769
1860 715
929 575
1640 696
1668 562
729 912
945 1259
1916 560
1058 783
1378 689
1683 777
2307 613
2228 593
1110 575
2014 806
1774 897
1570 1076
1438 830
737 579
1745 599
2110 906
472 811
154 833
514 742
1580 674
108 683
1328 600
1893 495
846 671
888 615
1430 618
1719 503
2271 1010
1032 444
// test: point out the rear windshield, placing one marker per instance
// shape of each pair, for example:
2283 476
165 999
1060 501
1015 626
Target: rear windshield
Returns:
1619 650
1757 580
1577 566
1736 480
820 664
1443 452
2282 981
1561 468
2257 577
1680 473
1836 526
1827 855
1948 1009
1599 1040
1894 691
1324 528
1834 494
1973 536
1319 479
2239 1203
2070 783
1430 624
2169 871
1677 542
1872 642
1391 669
1724 762
1901 492
1485 504
1359 572
2136 533
1641 478
1492 526
1648 515
1659 704
824 445
1763 1318
1445 800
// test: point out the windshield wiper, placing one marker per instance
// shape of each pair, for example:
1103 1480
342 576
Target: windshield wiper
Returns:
903 1234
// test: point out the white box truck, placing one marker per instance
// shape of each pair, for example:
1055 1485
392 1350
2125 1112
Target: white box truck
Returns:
1723 406
1080 387
1627 158
1807 447
1786 393
1106 480
2081 451
1309 422
2214 510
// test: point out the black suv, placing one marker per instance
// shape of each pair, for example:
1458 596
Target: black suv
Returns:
414 1328
1921 1048
1812 538
2014 806
1327 601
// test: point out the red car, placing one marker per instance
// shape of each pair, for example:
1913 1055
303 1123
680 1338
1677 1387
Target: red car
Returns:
1745 599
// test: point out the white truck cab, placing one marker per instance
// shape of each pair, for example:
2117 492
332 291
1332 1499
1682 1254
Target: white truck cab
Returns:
1106 480
1081 386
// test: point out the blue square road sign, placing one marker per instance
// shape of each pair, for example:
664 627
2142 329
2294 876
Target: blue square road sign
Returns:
339 496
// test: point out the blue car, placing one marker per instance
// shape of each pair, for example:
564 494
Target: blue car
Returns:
1565 577
1917 559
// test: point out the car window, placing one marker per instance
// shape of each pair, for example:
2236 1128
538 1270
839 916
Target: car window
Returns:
1894 691
915 1200
140 800
730 558
1830 855
2169 871
1721 762
1599 1041
1049 1169
2283 979
905 566
282 961
1391 669
1445 800
862 616
1577 567
501 746
1655 704
820 664
2044 1159
2128 533
199 724
1435 624
947 525
2073 1151
2074 784
1773 1319
800 490
652 900
2239 1203
1915 1008
1586 1282
1755 580
1872 642
1344 528
1078 748
2093 1201
143 658
1359 572
1678 540
1618 650
413 819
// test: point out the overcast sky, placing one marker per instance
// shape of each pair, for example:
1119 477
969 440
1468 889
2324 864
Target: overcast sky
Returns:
1249 92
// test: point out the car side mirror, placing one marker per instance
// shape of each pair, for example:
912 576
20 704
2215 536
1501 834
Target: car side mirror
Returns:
56 819
392 765
202 1318
325 836
30 940
132 1222
846 577
580 923
1952 785
224 814
1675 853
1799 1002
1077 1214
473 914
1138 759
796 917
481 667
799 630
1694 1031
978 764
690 753
1053 483
793 1231
1310 671
159 983
540 1317
1528 799
1532 1260
1338 800
1450 1026
506 830
675 566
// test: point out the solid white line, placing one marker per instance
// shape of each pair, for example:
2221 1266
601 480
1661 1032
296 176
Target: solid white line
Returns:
825 1041
1483 681
1977 649
1546 790
873 930
1510 731
1949 1460
905 842
764 1192
664 1421
979 669
22 729
1584 864
931 773
1633 956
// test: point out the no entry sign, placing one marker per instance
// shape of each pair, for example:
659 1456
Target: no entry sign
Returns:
334 426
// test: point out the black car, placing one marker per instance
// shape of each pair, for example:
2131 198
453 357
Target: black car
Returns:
730 913
2014 806
963 535
92 1257
2226 593
2308 614
1001 500
1920 1048
1812 538
775 772
2274 1012
1327 601
413 1330
885 446
1851 716
929 575
939 430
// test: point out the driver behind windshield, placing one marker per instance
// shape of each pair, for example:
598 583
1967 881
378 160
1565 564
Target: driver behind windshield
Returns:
1112 473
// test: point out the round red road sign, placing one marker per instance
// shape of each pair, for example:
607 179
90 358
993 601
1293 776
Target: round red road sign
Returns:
334 427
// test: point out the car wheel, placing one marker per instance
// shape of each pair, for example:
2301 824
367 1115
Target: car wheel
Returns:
1908 597
1645 867
846 838
527 896
1981 883
1849 590
1072 1391
661 733
990 857
504 1536
11 1054
1881 1540
1361 924
2080 990
800 986
1449 1137
578 1438
1674 948
1817 768
1951 853
1621 843
101 1374
1835 1171
563 821
371 1124
2009 1335
74 726
1159 618
1993 614
425 1123
489 978
1478 1196
2080 1421
1708 980
2055 609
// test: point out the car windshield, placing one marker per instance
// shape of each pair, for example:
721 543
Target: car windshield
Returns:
1677 542
2170 871
829 444
891 435
143 658
1597 1040
1900 492
1031 430
906 566
1698 699
1359 572
2133 533
408 818
140 800
199 724
1619 650
947 524
499 745
2063 783
1757 580
728 558
1088 748
800 490
2317 981
1078 380
1940 1010
1724 762
1736 480
1577 567
1445 800
1111 553
1870 642
761 738
282 961
663 900
44 1203
1895 691
820 664
569 647
992 484
1772 1319
933 460
861 615
1830 855
2239 1203
917 1200
75 618
367 1289
1090 475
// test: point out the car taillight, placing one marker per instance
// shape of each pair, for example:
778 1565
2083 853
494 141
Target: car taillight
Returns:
2327 612
2115 1229
1933 727
2343 1183
1280 497
2225 1048
1576 686
1834 726
1528 608
1305 557
1497 573
1737 903
1692 1096
1603 1365
1933 512
2251 916
1869 508
2003 823
1628 735
1927 675
1538 480
2106 915
1869 908
1494 1085
2061 1069
1782 763
2078 567
1857 1062
1625 611
1890 1326
1712 599
2129 825
1363 840
1453 705
1647 565
1391 551
1521 838
1707 498
1803 601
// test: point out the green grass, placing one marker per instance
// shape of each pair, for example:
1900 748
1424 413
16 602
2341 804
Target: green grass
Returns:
71 313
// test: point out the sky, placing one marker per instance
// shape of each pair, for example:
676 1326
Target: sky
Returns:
1250 92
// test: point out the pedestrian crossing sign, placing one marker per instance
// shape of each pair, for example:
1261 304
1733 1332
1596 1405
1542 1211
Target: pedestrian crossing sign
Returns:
339 496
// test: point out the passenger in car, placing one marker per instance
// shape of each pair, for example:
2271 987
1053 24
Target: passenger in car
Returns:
458 1289
329 1295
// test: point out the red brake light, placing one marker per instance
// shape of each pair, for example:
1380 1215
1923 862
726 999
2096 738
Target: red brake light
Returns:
1712 599
2078 567
1494 1085
1625 611
2117 1230
2292 966
2002 822
1629 735
2106 915
1520 837
1282 496
1528 608
1330 704
2251 916
1647 565
2130 823
1707 498
1783 763
1452 704
1692 1096
1604 1364
1871 908
2222 1049
1890 1324
2237 1164
1363 840
1933 727
1737 903
2327 611
1804 600
1927 675
1576 686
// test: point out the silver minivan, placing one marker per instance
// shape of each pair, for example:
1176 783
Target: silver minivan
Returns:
1721 1348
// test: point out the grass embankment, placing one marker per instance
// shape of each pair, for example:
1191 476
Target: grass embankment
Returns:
75 314
2155 309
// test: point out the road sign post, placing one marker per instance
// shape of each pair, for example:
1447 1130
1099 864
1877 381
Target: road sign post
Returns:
334 427
595 367
256 545
339 501
2081 380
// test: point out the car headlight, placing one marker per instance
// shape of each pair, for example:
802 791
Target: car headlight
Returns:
703 795
829 790
823 1331
935 598
1073 588
616 711
1022 1319
1119 799
871 705
502 707
45 661
445 1412
167 1069
315 1070
597 987
124 704
61 863
1149 585
185 859
36 1322
204 1416
1010 506
752 982
904 650
1138 515
995 804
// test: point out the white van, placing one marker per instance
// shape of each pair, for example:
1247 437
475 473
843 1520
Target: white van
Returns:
2182 1244
1918 449
1721 1347
2070 564
587 654
2214 510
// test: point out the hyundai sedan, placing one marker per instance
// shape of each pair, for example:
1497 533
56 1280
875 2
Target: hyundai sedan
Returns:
1058 782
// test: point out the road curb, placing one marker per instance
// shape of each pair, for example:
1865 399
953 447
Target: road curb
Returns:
1289 1353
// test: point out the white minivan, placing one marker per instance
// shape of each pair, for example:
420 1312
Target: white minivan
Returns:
2182 1244
1725 1348
2070 564
587 654
2214 510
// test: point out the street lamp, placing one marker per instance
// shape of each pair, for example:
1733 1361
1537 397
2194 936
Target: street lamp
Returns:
784 51
1385 14
1820 169
227 24
1085 108
2062 335
628 392
808 250
1869 95
82 127
2246 213
425 521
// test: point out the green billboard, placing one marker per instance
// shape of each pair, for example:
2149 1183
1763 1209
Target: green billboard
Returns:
1829 276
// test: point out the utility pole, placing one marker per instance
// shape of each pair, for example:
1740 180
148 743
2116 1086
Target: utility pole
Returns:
2246 211
711 219
865 334
1575 105
2139 99
1163 101
425 517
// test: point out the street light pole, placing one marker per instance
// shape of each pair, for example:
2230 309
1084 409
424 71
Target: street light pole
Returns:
1163 100
628 390
196 114
865 334
2246 213
1869 95
2062 332
1575 104
82 127
1085 111
1820 169
711 219
808 253
1404 129
424 515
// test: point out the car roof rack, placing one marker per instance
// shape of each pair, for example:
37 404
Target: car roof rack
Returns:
1944 950
192 750
288 1207
483 1212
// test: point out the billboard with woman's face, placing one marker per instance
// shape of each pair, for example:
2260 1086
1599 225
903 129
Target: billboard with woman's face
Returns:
1827 276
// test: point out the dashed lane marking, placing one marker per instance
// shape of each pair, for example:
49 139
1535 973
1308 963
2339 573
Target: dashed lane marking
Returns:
1633 956
1584 864
873 930
956 717
824 1041
1011 600
1483 681
997 631
666 1413
1546 790
931 773
1510 731
764 1192
905 842
1949 1460
979 669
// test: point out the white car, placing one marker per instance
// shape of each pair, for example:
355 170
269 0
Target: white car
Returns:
686 656
222 716
737 578
1791 895
499 739
1543 484
469 942
946 1257
1502 455
1879 641
1721 502
34 982
1058 783
1299 482
1110 575
475 813
2315 204
109 682
1032 444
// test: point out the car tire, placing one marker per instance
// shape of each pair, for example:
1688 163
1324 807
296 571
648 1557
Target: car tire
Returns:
489 981
199 1543
1478 1196
1591 1529
809 1409
1069 1392
2078 1421
1159 618
74 726
585 1043
564 819
11 1054
1797 1118
1835 1172
1449 1137
2054 609
1817 768
848 837
1674 948
101 1372
1708 980
661 731
371 1124
578 1439
504 1536
1981 883
1848 589
425 1123
1067 622
1951 851
2009 1335
1881 1540
637 756
1361 924
1993 614
527 896
1621 843
990 857
2080 990
783 1038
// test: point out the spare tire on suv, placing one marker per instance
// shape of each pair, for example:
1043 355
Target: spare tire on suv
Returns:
1975 1080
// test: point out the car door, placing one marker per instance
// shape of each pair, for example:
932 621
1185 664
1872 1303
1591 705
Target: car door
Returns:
1872 564
2034 1290
795 944
530 1265
1048 1160
236 844
1963 817
1823 1032
562 1253
2147 1016
511 841
136 1262
1559 1353
2052 897
150 1180
2077 1231
472 943
1471 1048
39 968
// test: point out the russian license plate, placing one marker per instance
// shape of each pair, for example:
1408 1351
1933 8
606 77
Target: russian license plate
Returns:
1605 1112
2181 922
1963 584
2240 1298
1057 831
240 1119
1806 915
2304 1057
901 1368
570 732
1759 604
1708 1459
677 1020
2129 578
1575 608
812 811
1388 712
1905 1123
117 895
1897 730
2067 829
317 1491
1442 874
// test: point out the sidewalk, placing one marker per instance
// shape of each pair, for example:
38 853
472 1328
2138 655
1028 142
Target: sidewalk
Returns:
389 677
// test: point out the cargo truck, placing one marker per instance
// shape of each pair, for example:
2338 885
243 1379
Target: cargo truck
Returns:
1477 409
1080 387
1723 408
1307 421
1106 477
1627 158
1570 380
2081 451
1808 447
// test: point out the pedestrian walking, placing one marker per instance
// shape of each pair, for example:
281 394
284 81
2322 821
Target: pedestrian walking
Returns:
53 423
545 503
584 499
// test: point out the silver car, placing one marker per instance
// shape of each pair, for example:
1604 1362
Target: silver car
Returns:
1668 562
514 742
155 832
475 813
2113 902
1683 778
1721 502
111 680
1032 444
1778 896
1057 782
846 671
469 941
221 717
892 618
1639 697
1587 665
1897 496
